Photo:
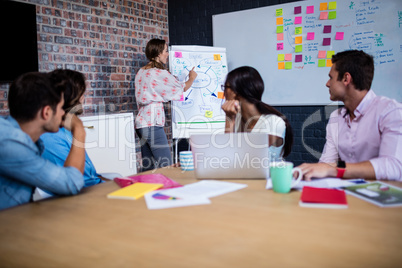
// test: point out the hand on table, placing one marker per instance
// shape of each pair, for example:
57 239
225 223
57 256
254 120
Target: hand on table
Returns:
318 170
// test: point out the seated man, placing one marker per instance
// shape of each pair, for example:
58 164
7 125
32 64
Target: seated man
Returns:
364 138
35 105
58 145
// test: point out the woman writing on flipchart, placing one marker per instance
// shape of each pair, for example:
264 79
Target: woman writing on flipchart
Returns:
153 86
245 112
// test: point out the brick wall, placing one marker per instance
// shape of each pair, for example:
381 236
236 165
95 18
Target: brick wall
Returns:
105 40
190 23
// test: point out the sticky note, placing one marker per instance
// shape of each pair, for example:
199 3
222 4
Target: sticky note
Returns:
298 30
279 36
279 46
327 28
221 95
332 15
332 5
310 10
329 63
339 36
279 21
322 54
321 63
310 36
298 39
323 15
326 42
323 6
279 12
288 57
299 48
299 58
298 20
288 65
330 53
298 10
279 29
178 54
208 114
217 57
281 65
182 98
281 57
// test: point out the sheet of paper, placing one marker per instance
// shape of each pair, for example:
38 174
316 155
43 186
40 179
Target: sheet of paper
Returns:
319 183
161 200
206 189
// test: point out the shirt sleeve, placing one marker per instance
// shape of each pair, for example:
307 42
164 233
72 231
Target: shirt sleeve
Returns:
388 165
330 152
22 163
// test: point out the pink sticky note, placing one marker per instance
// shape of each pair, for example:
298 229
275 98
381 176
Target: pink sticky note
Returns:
326 42
298 10
322 54
279 46
178 54
288 57
298 20
339 36
310 36
323 15
310 9
182 98
298 58
279 36
327 28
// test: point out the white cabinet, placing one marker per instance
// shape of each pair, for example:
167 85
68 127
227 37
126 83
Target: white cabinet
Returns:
110 143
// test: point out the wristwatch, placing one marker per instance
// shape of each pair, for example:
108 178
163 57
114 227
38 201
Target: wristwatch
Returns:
341 168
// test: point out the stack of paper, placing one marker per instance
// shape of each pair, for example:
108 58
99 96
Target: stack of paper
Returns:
135 190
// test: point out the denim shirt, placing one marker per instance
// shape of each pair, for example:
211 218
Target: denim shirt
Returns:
22 168
57 148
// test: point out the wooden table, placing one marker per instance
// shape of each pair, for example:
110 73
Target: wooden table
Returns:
252 227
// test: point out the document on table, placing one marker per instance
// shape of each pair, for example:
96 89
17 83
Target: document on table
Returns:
189 195
321 183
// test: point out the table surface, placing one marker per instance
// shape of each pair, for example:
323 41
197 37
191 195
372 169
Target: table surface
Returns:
251 227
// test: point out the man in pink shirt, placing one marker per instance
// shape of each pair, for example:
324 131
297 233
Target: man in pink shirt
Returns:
364 138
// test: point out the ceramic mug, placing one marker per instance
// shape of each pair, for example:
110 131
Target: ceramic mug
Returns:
282 176
186 160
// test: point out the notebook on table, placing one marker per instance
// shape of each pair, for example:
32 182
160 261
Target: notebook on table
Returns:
230 155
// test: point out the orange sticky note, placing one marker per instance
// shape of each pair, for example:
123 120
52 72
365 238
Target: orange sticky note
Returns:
221 95
298 39
279 21
323 6
217 57
281 65
329 63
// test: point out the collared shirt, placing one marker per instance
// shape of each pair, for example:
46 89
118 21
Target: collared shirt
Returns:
57 148
153 87
22 168
375 135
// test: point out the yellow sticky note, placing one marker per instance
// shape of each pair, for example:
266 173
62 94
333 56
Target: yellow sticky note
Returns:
281 57
330 53
329 63
332 5
279 12
323 6
208 114
279 21
298 30
134 191
288 65
221 95
298 39
281 65
217 57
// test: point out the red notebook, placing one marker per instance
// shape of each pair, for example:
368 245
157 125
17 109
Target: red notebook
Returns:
323 198
147 178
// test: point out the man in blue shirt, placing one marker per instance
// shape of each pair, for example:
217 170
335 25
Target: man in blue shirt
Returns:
35 105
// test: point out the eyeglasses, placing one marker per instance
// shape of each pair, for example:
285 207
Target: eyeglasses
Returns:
224 87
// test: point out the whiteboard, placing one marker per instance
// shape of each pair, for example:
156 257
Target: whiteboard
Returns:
199 110
250 38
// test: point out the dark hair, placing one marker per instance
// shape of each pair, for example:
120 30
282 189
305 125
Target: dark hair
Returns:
72 94
153 49
31 92
359 64
247 82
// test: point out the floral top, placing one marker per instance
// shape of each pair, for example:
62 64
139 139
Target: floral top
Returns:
153 87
